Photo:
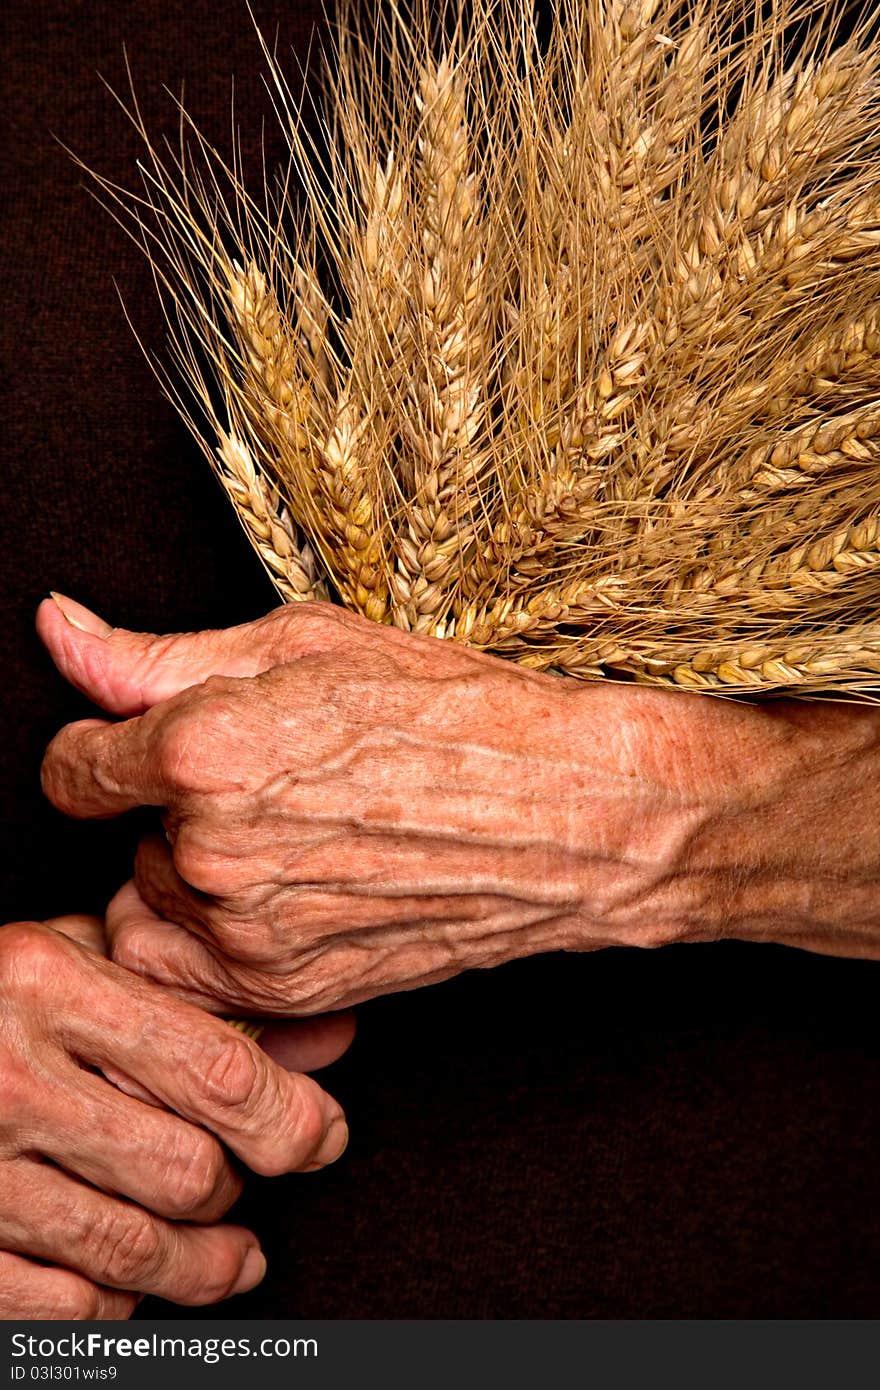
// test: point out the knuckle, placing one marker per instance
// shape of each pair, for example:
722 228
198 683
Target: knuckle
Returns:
310 627
218 709
131 941
32 958
65 770
19 1096
283 1123
214 1282
77 1301
179 743
289 1145
216 693
232 1075
204 868
127 1248
193 733
130 947
194 1175
193 863
310 1125
44 1292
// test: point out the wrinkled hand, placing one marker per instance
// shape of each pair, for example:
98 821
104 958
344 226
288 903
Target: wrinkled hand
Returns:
351 809
117 1100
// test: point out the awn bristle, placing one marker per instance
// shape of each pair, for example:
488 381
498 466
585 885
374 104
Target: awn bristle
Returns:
560 342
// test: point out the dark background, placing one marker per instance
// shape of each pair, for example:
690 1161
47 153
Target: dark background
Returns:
688 1133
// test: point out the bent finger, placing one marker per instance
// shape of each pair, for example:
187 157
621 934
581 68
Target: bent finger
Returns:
172 956
211 1074
167 893
48 1214
94 769
135 1150
217 920
307 1044
41 1293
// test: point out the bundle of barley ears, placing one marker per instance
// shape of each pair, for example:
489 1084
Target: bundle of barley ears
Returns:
558 336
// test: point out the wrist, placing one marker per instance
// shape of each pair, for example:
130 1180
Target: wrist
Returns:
650 817
797 850
682 810
628 799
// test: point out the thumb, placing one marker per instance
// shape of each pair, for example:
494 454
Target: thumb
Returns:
307 1044
127 672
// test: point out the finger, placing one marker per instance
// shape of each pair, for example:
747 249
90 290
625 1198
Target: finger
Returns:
48 1214
162 897
127 672
81 927
42 1293
172 899
170 955
95 769
134 1150
275 1121
307 1044
195 969
128 1087
295 1044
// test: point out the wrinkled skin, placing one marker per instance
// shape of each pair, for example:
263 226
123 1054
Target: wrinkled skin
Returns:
352 810
119 1105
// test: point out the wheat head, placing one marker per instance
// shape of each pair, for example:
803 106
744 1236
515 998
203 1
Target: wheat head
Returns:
558 336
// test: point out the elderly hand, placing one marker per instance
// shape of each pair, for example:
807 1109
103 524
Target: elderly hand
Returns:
352 810
117 1099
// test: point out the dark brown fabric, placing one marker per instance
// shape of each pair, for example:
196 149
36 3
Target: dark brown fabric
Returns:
693 1132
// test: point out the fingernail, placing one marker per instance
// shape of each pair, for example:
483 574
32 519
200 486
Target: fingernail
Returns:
80 617
251 1272
334 1143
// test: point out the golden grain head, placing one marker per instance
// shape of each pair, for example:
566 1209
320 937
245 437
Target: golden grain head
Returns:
565 343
